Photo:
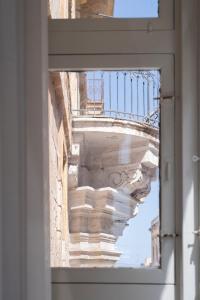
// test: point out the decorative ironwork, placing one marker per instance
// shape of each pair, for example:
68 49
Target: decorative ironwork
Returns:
129 95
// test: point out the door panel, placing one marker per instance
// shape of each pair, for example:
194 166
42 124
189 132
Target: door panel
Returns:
110 291
131 283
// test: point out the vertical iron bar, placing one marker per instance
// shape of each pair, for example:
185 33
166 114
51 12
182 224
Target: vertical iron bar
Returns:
137 97
154 107
148 98
110 93
131 95
77 82
159 87
144 110
117 92
94 93
124 93
102 92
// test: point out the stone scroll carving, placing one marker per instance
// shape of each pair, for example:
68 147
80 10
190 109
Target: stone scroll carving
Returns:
107 184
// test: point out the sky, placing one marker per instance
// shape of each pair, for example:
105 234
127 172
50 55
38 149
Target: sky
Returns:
136 8
135 244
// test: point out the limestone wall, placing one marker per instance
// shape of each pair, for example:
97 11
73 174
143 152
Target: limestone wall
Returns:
62 9
62 97
58 9
59 150
95 9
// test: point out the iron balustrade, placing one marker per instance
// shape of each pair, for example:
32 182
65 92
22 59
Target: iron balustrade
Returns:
127 95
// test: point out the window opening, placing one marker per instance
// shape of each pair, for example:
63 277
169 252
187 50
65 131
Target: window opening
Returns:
117 9
113 181
132 9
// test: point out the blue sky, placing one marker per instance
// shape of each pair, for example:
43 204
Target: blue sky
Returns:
135 244
136 8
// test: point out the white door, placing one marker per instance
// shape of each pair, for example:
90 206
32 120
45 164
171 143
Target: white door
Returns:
137 281
72 49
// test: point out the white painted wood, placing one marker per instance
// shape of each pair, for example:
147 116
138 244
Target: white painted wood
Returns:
37 158
11 215
178 147
198 263
164 22
24 151
190 137
110 291
77 46
165 275
1 185
107 42
111 62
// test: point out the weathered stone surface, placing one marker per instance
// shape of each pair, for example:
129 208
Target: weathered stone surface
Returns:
118 161
118 154
91 250
107 165
62 95
58 152
94 9
105 210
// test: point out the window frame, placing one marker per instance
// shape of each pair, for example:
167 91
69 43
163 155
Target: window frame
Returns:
165 21
71 48
166 273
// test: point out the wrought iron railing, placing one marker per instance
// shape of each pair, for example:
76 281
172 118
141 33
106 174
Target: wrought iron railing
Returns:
127 95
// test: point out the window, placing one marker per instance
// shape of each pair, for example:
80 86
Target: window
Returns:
118 170
118 9
117 49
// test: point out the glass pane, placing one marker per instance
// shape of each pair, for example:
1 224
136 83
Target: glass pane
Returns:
136 9
105 193
117 9
71 9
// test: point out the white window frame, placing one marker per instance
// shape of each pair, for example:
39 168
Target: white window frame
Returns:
165 21
162 42
164 275
76 45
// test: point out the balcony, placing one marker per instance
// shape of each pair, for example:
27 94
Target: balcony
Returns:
115 157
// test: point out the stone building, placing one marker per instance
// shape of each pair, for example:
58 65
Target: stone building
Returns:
154 260
100 168
118 160
155 242
62 95
95 9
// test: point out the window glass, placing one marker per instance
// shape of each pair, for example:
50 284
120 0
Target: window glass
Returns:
105 198
117 9
136 9
72 9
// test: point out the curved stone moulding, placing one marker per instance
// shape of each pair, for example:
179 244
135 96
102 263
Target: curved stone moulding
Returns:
73 167
104 210
91 250
113 174
115 151
96 219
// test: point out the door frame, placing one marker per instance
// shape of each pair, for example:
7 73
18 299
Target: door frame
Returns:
164 275
184 48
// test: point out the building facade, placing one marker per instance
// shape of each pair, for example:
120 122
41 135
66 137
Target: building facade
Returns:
119 188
